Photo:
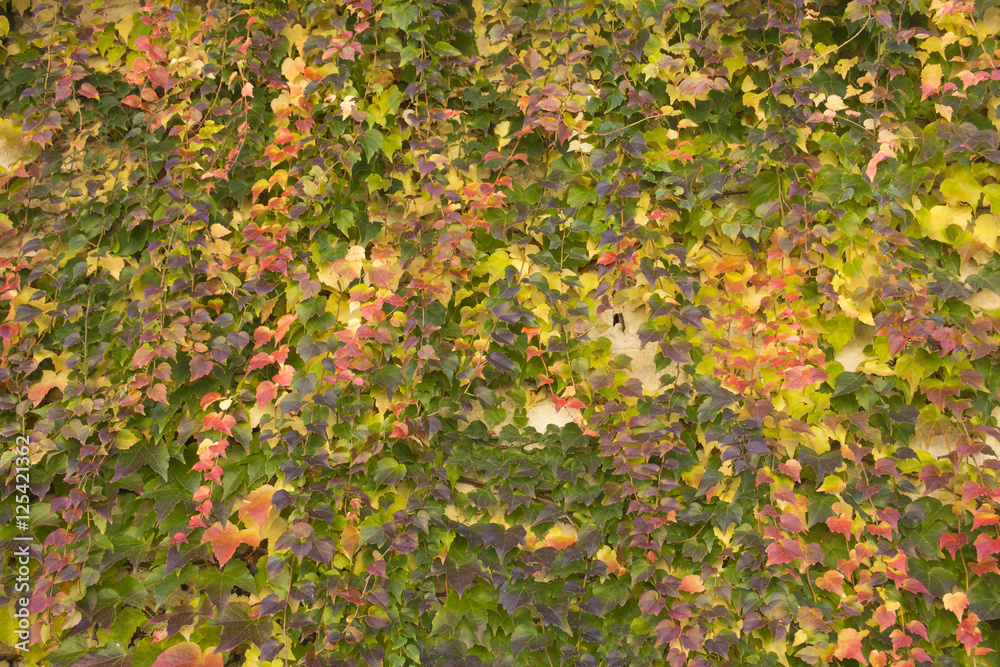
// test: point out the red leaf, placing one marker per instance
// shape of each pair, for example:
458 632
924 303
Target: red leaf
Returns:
284 322
576 404
791 523
952 543
200 366
266 392
158 76
984 516
284 376
968 633
88 91
792 468
283 136
189 654
918 628
261 336
142 356
913 586
400 430
259 360
985 546
218 422
885 618
607 258
783 551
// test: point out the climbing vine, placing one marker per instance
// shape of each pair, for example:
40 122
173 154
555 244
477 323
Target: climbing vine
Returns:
309 314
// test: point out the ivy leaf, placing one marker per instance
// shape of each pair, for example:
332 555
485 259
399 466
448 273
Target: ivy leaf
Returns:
238 628
113 654
728 514
515 597
822 464
371 140
783 551
847 383
200 366
388 376
224 540
983 599
849 645
145 452
220 583
503 540
189 654
502 363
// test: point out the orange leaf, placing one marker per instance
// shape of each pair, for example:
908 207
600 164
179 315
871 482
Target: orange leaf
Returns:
956 603
984 516
209 398
284 322
559 539
349 540
849 645
225 539
50 380
257 505
189 654
840 524
284 376
691 584
832 581
158 392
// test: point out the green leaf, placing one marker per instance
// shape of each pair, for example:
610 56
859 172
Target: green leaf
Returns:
220 583
446 49
983 599
371 140
145 452
848 383
238 628
389 376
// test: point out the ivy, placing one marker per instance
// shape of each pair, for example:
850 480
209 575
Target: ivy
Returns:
450 333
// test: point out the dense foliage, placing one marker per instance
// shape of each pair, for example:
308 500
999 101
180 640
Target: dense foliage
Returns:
283 282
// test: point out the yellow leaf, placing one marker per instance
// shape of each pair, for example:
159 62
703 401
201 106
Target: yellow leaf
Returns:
931 76
835 103
114 265
936 220
990 24
832 484
124 27
962 187
985 231
125 439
